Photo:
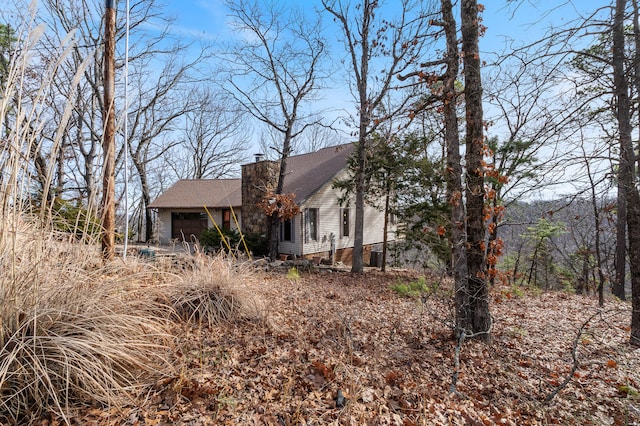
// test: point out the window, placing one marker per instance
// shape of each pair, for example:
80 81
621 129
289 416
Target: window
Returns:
286 230
393 218
344 222
226 219
310 225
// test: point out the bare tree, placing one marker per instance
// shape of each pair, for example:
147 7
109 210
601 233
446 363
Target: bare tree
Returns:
318 137
378 49
454 165
157 109
274 73
85 130
213 138
161 78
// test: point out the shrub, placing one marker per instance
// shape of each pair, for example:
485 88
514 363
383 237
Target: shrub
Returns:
256 242
74 219
211 240
71 329
412 289
73 333
213 293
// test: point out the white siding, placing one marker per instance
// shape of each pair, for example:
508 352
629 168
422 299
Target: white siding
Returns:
330 222
295 246
164 226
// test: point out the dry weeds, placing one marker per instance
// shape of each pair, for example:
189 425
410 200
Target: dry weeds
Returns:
392 358
75 332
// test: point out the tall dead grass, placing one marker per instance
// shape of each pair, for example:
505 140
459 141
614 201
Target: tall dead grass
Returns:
73 333
73 330
213 290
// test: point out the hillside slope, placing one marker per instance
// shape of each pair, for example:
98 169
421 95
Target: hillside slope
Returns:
393 361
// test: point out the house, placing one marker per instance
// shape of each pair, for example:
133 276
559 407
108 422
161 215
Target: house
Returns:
322 227
181 213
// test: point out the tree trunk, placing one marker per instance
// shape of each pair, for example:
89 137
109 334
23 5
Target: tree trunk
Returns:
148 217
627 166
274 220
108 167
454 172
583 280
383 267
492 242
598 253
357 264
621 244
477 289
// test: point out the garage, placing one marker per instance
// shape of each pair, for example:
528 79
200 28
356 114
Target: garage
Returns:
184 225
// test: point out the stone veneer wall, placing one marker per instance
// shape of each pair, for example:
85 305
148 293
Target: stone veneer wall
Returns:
257 179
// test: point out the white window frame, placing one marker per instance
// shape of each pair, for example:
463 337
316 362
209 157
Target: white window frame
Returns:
311 229
344 223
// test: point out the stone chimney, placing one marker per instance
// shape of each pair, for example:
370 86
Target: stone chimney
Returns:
257 179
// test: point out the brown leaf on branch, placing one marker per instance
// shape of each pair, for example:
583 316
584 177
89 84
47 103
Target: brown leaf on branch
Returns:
282 205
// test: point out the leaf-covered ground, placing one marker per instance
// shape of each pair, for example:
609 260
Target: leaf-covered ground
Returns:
392 358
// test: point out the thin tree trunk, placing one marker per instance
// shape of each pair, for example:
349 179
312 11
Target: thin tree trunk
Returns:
383 267
274 220
627 166
357 264
477 288
108 167
148 217
454 173
583 280
534 265
596 216
492 241
621 244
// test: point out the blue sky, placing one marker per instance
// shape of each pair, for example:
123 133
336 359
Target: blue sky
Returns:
523 21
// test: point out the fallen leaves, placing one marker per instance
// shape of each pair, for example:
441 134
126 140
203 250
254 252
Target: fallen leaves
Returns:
391 358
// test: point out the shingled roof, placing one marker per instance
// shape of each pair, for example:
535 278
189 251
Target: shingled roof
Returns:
195 193
307 173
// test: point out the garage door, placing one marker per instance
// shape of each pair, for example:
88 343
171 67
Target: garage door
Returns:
184 225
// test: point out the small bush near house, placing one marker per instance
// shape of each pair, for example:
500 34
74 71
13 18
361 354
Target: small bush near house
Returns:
256 243
412 289
211 240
